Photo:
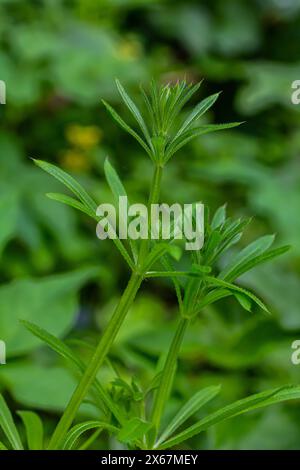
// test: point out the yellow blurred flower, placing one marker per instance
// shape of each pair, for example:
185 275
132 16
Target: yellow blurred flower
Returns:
74 160
129 49
83 137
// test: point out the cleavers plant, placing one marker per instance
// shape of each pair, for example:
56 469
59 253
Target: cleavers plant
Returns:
161 134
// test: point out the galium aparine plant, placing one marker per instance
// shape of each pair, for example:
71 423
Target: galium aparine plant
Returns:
203 283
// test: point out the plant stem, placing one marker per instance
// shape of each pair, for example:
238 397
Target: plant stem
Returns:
96 361
167 376
109 334
153 199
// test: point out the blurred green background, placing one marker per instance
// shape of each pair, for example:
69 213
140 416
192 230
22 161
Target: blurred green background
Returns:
58 59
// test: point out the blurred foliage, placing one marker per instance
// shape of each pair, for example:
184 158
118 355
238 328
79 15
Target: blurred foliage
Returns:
58 59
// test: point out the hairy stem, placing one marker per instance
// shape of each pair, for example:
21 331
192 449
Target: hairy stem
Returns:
167 377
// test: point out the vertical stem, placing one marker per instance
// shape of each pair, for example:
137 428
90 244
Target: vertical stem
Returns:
153 199
155 186
109 334
96 361
167 377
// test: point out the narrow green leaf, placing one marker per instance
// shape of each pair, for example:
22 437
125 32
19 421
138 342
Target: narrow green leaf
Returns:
127 128
154 92
76 432
8 426
251 263
70 201
53 342
179 141
77 189
147 103
258 400
134 110
232 232
243 301
34 429
219 217
233 226
213 241
118 191
119 245
183 96
124 253
235 288
113 180
212 297
69 182
63 350
180 96
197 112
255 248
2 446
189 409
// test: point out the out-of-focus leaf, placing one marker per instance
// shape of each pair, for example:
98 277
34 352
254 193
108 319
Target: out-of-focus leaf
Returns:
36 386
189 409
280 288
269 397
50 302
267 85
9 209
8 426
219 217
34 429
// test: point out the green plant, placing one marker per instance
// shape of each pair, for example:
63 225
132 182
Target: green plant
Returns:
132 414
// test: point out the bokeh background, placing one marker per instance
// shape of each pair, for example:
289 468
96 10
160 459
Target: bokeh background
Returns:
58 59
